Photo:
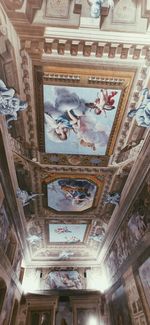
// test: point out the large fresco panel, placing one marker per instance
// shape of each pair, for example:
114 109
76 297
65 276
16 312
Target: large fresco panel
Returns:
78 120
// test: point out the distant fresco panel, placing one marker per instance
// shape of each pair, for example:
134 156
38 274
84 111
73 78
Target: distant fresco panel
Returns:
67 233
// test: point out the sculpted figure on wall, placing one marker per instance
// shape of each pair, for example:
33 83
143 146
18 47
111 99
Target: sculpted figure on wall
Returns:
10 104
142 113
96 7
25 197
112 198
65 255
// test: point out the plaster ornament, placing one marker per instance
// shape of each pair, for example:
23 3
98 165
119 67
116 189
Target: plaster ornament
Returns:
112 198
10 104
25 197
96 7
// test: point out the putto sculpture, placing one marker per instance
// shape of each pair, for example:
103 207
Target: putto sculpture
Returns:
96 6
25 197
10 104
34 239
142 113
112 198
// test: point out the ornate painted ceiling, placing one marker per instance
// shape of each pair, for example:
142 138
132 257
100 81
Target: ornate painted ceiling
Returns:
75 144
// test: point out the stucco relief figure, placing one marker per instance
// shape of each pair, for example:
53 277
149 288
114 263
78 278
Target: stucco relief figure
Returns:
4 227
121 247
97 233
142 113
65 255
34 239
112 263
137 226
25 197
112 198
96 7
10 104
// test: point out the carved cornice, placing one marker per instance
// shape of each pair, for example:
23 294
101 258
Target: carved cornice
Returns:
46 47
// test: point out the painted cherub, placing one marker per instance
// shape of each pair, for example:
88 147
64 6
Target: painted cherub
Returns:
142 113
104 102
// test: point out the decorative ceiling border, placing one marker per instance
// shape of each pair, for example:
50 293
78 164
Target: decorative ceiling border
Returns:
121 80
29 58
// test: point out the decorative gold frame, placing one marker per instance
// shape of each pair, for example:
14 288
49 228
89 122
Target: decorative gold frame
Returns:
81 77
65 244
99 183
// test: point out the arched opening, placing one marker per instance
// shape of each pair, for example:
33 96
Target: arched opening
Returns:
3 289
14 313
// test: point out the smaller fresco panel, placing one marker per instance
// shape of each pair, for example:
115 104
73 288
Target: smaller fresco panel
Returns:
64 280
66 233
71 194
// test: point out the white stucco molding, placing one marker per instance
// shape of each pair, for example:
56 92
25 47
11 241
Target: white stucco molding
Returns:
97 35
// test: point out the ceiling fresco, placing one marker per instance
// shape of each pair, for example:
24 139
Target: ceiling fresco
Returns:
79 112
71 194
67 233
78 120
